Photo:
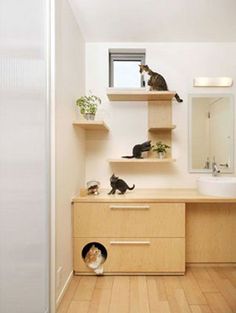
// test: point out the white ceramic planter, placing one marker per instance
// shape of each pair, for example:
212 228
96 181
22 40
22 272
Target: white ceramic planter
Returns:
161 155
89 116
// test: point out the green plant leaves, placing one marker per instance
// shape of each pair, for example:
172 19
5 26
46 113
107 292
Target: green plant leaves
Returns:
88 104
160 147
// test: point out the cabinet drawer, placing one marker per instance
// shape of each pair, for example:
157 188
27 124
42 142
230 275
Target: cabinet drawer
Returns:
129 220
125 255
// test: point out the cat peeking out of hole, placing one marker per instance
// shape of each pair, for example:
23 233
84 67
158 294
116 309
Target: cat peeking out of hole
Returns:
156 81
94 260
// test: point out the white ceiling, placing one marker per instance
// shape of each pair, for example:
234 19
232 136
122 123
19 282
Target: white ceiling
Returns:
156 20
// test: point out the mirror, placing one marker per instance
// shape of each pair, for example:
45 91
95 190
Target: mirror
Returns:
211 132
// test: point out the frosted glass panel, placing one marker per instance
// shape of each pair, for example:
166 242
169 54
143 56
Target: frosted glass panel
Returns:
126 74
24 177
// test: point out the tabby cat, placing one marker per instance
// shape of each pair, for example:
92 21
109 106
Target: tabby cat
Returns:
156 81
118 184
94 260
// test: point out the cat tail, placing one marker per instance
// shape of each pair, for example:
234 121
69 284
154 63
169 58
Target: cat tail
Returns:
131 188
128 156
178 98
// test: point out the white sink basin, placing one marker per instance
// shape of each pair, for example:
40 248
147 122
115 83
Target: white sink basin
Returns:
217 186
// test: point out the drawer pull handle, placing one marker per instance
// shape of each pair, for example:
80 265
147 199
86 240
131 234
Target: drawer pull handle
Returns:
130 242
129 207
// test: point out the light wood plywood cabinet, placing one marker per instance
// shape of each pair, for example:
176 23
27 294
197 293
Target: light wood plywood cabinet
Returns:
138 237
129 220
211 233
136 255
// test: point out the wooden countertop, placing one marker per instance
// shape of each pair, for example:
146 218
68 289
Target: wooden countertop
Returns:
155 195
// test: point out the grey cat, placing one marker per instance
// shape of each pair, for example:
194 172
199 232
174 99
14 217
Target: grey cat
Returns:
156 81
118 184
138 149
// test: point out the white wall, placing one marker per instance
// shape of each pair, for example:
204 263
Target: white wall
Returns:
179 63
70 154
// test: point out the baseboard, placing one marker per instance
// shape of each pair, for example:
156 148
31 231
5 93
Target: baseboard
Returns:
131 274
65 287
202 264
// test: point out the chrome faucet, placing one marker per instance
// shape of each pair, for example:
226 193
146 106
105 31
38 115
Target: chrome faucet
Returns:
215 170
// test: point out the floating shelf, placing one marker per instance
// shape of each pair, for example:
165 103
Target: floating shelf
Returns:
144 161
92 125
116 94
155 129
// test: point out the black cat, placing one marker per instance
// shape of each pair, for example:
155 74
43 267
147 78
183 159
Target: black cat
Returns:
156 80
138 149
120 184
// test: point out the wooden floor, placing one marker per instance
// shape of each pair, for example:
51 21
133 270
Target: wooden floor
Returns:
201 290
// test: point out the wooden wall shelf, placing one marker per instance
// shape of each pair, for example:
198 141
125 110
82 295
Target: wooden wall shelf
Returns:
161 128
159 104
143 161
92 125
116 94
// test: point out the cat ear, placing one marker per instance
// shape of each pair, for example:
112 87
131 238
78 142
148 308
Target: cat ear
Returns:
92 248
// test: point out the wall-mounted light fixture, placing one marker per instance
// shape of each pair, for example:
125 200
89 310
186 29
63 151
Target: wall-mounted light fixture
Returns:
212 82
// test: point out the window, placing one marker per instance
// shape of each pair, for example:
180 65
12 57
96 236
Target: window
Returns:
124 70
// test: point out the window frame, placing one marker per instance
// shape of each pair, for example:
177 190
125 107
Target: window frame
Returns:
125 56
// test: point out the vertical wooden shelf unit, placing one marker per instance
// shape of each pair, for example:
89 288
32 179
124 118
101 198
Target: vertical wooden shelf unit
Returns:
159 113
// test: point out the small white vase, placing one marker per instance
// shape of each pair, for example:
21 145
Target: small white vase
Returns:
89 116
161 155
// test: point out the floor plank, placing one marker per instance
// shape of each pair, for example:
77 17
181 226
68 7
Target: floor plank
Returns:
65 303
120 295
157 297
230 273
217 303
203 279
100 302
224 286
176 297
78 307
191 288
85 288
104 282
161 288
138 295
200 308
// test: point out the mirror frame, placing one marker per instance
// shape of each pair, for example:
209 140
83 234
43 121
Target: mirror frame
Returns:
206 95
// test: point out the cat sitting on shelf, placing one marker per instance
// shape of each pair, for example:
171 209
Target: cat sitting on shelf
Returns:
118 184
156 81
138 149
94 260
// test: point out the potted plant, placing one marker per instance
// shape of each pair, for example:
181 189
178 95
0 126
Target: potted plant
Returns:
88 106
161 149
